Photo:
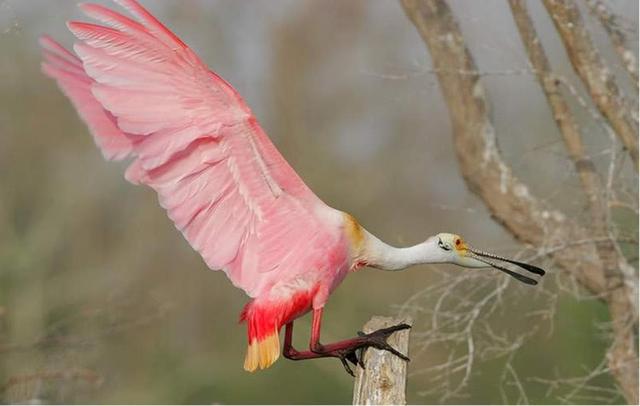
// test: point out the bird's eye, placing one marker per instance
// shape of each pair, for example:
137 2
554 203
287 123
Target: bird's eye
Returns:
458 241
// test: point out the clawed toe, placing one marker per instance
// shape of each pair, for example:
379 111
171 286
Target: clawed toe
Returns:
378 339
352 357
389 330
386 347
346 366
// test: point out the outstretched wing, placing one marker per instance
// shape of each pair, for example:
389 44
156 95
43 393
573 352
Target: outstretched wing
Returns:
145 94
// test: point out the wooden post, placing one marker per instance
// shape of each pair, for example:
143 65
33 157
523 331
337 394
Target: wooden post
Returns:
384 379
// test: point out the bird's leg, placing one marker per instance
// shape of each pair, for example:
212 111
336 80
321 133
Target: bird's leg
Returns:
345 350
291 353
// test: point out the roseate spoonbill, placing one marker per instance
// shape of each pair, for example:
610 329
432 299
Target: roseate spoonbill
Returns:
145 95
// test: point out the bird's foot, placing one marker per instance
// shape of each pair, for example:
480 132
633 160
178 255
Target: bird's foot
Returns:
353 350
352 355
378 340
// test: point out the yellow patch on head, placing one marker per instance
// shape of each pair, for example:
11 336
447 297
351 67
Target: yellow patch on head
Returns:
460 244
354 231
262 353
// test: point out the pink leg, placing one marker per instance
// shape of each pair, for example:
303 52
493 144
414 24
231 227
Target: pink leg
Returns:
345 350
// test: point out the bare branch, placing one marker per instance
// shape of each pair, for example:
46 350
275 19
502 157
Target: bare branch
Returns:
596 76
459 330
483 168
569 128
617 36
577 384
597 265
623 355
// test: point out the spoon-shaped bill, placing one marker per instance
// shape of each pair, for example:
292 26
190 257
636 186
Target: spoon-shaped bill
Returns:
482 256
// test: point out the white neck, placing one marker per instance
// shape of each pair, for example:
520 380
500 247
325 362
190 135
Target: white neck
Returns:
386 257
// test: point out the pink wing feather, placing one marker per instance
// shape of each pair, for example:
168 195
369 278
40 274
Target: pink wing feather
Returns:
67 69
145 94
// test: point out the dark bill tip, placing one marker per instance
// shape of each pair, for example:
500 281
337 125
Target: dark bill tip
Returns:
528 267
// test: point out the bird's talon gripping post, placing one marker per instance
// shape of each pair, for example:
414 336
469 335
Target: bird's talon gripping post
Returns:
393 329
353 357
384 333
392 350
378 340
386 347
346 366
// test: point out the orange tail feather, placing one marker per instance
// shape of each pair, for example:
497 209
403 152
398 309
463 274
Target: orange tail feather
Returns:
262 353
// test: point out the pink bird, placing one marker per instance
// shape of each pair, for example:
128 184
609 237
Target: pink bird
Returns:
145 95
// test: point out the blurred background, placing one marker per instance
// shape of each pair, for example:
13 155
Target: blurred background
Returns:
102 301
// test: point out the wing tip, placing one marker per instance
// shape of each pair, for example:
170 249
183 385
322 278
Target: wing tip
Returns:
151 22
76 27
46 41
90 9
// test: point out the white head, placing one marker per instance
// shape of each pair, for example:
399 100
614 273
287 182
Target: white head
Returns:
451 248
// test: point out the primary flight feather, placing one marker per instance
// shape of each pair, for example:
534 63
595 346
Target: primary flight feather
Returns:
147 96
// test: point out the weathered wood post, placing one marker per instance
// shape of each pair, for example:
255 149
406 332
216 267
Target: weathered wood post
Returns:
384 379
